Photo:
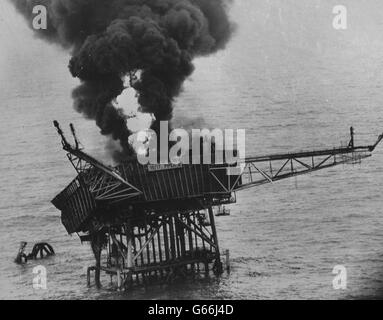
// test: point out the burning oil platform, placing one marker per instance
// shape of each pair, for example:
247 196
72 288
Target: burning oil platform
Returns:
148 222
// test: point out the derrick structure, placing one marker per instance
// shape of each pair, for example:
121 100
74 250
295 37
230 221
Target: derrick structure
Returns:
150 222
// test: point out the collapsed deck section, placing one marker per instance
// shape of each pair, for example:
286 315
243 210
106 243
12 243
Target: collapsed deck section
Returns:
76 204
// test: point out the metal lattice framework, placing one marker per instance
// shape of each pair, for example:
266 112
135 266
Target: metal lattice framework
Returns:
261 172
170 245
189 223
104 183
256 171
174 241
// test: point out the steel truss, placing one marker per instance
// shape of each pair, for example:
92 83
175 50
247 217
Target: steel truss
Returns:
170 245
256 171
104 183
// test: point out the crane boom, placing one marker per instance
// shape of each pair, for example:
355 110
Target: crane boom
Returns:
260 170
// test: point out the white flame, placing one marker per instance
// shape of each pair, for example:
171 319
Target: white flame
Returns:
128 102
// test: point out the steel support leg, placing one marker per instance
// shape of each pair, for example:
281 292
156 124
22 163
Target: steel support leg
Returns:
218 269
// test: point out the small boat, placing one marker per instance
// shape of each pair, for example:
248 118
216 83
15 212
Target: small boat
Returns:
222 211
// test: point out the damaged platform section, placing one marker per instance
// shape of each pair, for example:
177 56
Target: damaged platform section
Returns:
156 222
146 221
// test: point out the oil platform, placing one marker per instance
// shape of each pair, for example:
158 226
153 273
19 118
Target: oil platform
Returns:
147 222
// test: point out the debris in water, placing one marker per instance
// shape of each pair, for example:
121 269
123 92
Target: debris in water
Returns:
41 249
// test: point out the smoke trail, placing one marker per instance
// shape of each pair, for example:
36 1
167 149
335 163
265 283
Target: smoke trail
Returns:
111 39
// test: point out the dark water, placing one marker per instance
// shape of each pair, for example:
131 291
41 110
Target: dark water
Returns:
292 82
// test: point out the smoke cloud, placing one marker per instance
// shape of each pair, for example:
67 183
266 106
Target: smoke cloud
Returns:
112 39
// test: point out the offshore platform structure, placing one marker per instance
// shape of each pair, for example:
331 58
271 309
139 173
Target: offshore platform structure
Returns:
147 222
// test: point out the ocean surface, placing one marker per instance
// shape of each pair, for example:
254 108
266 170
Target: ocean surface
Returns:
287 77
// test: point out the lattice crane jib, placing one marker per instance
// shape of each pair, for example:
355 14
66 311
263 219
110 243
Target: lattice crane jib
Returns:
260 170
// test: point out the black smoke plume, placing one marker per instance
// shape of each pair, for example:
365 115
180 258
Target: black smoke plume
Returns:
112 39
